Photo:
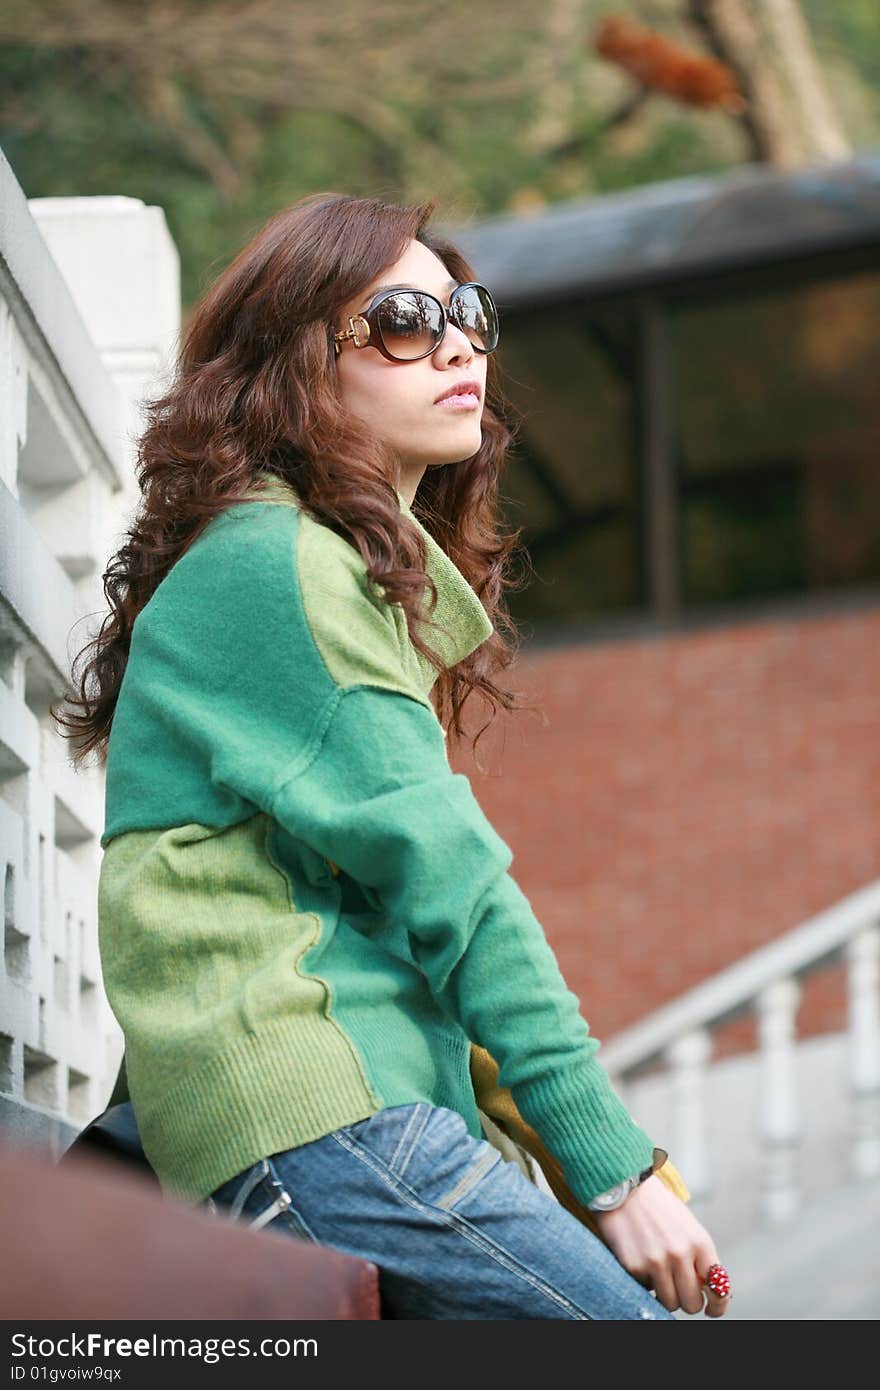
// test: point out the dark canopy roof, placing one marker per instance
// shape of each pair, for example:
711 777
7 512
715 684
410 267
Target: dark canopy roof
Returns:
681 229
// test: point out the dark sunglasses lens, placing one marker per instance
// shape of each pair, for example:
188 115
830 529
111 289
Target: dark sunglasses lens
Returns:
474 311
410 324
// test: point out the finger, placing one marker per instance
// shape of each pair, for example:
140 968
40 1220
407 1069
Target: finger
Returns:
663 1284
716 1306
689 1287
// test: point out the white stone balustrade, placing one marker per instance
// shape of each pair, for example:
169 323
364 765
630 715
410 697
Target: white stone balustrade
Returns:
89 316
687 1058
768 983
862 954
779 1110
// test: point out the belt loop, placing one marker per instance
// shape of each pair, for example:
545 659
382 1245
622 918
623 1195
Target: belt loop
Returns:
256 1175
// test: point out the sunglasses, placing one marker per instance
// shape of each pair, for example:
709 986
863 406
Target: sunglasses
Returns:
406 325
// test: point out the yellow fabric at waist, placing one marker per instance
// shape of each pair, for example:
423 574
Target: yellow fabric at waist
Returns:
497 1102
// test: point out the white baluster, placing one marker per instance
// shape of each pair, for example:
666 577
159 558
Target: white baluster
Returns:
862 954
687 1058
779 1109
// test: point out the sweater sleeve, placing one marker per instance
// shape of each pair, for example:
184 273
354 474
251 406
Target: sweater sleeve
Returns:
378 797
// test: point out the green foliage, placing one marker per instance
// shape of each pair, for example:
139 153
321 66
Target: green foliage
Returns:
679 146
850 29
446 104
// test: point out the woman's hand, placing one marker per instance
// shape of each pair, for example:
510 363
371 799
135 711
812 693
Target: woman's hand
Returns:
662 1245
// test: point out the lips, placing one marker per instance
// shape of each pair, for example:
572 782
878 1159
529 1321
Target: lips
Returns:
460 388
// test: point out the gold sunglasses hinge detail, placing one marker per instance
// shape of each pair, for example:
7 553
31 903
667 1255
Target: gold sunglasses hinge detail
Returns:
353 333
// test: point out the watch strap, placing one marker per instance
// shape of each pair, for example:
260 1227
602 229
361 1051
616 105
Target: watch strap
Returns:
622 1189
660 1157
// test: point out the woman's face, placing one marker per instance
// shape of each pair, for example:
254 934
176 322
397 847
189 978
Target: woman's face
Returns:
398 400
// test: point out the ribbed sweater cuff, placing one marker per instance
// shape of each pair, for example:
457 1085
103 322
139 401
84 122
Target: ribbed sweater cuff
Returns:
585 1124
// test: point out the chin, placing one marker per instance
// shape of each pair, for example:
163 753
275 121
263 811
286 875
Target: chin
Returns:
448 460
460 455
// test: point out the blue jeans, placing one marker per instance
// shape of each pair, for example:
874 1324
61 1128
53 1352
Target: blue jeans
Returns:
456 1230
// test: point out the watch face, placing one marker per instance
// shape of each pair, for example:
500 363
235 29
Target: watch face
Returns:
614 1197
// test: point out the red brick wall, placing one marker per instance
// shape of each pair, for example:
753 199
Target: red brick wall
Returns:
690 797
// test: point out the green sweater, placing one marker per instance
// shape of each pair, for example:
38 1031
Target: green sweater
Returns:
304 915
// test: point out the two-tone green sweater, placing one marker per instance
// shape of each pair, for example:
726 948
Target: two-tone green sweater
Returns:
304 914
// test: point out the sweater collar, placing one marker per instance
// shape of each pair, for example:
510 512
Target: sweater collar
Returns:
463 621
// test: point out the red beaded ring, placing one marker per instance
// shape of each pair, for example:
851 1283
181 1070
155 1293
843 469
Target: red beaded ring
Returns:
718 1280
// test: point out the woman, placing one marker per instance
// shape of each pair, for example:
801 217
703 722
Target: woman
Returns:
307 926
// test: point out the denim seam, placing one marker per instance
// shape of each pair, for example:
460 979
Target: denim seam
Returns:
291 1214
292 1219
470 1179
458 1223
420 1111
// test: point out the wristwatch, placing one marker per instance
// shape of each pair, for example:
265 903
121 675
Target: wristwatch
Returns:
617 1195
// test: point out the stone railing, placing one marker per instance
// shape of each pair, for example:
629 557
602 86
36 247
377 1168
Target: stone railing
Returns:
678 1039
89 302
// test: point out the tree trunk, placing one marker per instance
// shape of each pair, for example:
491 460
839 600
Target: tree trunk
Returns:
790 119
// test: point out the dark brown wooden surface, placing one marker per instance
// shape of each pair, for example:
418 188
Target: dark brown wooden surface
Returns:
89 1240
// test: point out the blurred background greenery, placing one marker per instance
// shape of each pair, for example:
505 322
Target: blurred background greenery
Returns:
223 112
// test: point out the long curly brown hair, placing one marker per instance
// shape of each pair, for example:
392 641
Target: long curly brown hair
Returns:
255 391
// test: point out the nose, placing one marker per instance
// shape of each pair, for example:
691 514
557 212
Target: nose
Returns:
455 345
